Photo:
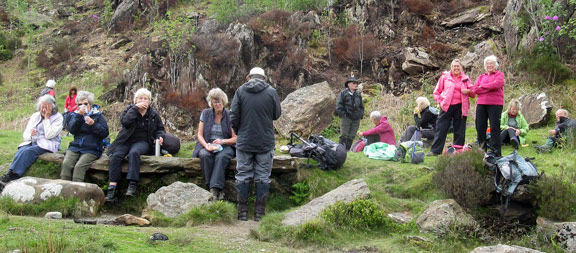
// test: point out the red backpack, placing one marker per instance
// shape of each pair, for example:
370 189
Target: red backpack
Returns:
455 149
358 146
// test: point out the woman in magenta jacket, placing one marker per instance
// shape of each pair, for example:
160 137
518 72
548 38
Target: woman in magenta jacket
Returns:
452 94
490 90
381 132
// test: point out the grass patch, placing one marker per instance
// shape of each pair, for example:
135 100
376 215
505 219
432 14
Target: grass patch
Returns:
68 207
218 212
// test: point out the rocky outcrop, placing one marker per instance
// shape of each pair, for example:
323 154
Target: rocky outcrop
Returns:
475 60
442 214
307 110
123 15
177 198
467 17
417 61
348 192
38 190
502 248
535 108
564 233
511 29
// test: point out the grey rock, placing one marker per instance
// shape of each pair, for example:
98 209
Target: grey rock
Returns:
475 60
120 43
400 218
53 215
441 214
177 198
37 190
36 19
535 109
158 237
467 17
307 110
210 25
564 233
502 248
511 30
348 192
417 61
123 14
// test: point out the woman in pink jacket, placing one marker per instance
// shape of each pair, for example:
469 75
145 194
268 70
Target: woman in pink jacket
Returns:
382 131
490 90
452 94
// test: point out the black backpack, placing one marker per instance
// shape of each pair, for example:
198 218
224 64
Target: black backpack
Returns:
328 154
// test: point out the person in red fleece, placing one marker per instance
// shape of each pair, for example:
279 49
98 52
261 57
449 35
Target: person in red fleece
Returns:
382 132
70 105
490 90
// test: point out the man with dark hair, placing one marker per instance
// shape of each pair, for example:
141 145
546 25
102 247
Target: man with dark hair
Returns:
564 127
254 108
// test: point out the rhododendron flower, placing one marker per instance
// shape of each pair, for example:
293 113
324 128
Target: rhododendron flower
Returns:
547 18
541 39
555 18
558 28
546 33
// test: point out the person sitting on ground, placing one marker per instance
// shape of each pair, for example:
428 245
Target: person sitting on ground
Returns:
564 127
215 144
141 128
350 109
42 134
514 126
425 119
70 104
381 132
49 89
89 128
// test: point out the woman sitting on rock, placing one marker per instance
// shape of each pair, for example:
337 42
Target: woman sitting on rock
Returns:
42 134
514 126
141 128
89 128
425 119
216 139
381 132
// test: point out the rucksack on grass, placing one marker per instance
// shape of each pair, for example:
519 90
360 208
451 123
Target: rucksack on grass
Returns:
328 154
410 152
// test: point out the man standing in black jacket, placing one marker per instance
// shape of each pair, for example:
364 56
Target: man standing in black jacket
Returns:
254 108
350 108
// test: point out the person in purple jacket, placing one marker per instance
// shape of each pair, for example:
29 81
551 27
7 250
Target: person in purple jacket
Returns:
490 90
381 132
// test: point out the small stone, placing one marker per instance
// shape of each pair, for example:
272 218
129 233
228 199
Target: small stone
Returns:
158 237
53 215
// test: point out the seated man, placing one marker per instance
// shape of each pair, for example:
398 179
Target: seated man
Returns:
564 127
382 131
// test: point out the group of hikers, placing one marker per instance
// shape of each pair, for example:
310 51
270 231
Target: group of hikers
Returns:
246 131
452 93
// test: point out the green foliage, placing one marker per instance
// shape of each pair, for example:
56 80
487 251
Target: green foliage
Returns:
4 217
219 212
544 66
68 207
301 192
365 215
555 195
8 43
176 31
333 130
228 10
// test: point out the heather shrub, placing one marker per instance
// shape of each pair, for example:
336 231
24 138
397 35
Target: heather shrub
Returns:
352 47
420 7
464 178
555 195
364 215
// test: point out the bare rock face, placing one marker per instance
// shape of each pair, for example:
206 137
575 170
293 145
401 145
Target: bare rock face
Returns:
307 110
535 108
348 192
123 14
511 30
417 61
37 190
441 214
467 17
475 60
177 198
128 219
502 248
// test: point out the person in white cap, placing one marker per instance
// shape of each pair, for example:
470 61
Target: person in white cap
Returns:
254 108
49 89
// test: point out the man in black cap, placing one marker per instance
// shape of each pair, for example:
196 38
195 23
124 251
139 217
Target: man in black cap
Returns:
350 109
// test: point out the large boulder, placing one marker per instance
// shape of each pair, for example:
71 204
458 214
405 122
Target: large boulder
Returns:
535 108
564 233
417 61
502 248
467 17
37 190
442 214
348 192
307 110
123 15
178 198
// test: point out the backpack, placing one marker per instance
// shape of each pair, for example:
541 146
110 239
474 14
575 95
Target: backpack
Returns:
45 91
358 146
381 151
171 144
328 154
455 149
410 152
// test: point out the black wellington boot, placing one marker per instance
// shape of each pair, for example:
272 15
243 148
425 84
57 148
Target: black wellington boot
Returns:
262 191
243 190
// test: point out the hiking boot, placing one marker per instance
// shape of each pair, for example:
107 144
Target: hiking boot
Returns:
243 190
9 176
215 193
111 195
132 187
514 142
262 191
432 154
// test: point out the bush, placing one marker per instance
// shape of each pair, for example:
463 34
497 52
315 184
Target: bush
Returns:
544 67
358 215
555 195
353 47
420 7
465 178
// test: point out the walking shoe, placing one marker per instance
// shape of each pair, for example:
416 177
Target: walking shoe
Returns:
215 193
432 154
131 192
111 195
514 142
9 176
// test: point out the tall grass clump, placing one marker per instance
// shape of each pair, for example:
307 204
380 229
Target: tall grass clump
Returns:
362 215
555 195
68 207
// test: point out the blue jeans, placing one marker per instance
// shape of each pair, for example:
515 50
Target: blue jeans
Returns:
254 166
25 157
133 150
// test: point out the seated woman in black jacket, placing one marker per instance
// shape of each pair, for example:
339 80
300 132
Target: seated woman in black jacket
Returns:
89 128
425 119
141 128
216 139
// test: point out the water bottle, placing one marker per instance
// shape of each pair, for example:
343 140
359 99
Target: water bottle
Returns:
157 150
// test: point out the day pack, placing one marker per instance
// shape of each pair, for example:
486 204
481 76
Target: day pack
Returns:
328 154
455 149
410 152
358 146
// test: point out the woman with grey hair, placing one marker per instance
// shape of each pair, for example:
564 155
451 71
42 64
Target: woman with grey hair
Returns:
490 90
425 120
381 132
42 134
216 139
89 128
141 128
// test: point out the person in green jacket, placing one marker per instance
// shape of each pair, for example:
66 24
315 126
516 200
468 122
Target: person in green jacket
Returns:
514 126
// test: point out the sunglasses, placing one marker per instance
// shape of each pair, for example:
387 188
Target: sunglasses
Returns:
86 104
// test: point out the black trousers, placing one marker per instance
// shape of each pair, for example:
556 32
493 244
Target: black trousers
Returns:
454 116
483 114
507 135
133 150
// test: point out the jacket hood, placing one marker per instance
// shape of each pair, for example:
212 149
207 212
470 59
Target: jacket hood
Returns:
255 85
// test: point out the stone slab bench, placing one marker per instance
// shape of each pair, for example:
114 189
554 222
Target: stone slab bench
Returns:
161 164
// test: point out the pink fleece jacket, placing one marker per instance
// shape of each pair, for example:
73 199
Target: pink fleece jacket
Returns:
490 88
444 91
384 130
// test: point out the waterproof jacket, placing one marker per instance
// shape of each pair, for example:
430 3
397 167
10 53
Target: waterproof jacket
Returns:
88 139
490 88
350 105
520 121
252 113
128 120
49 139
384 130
209 119
444 91
428 119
